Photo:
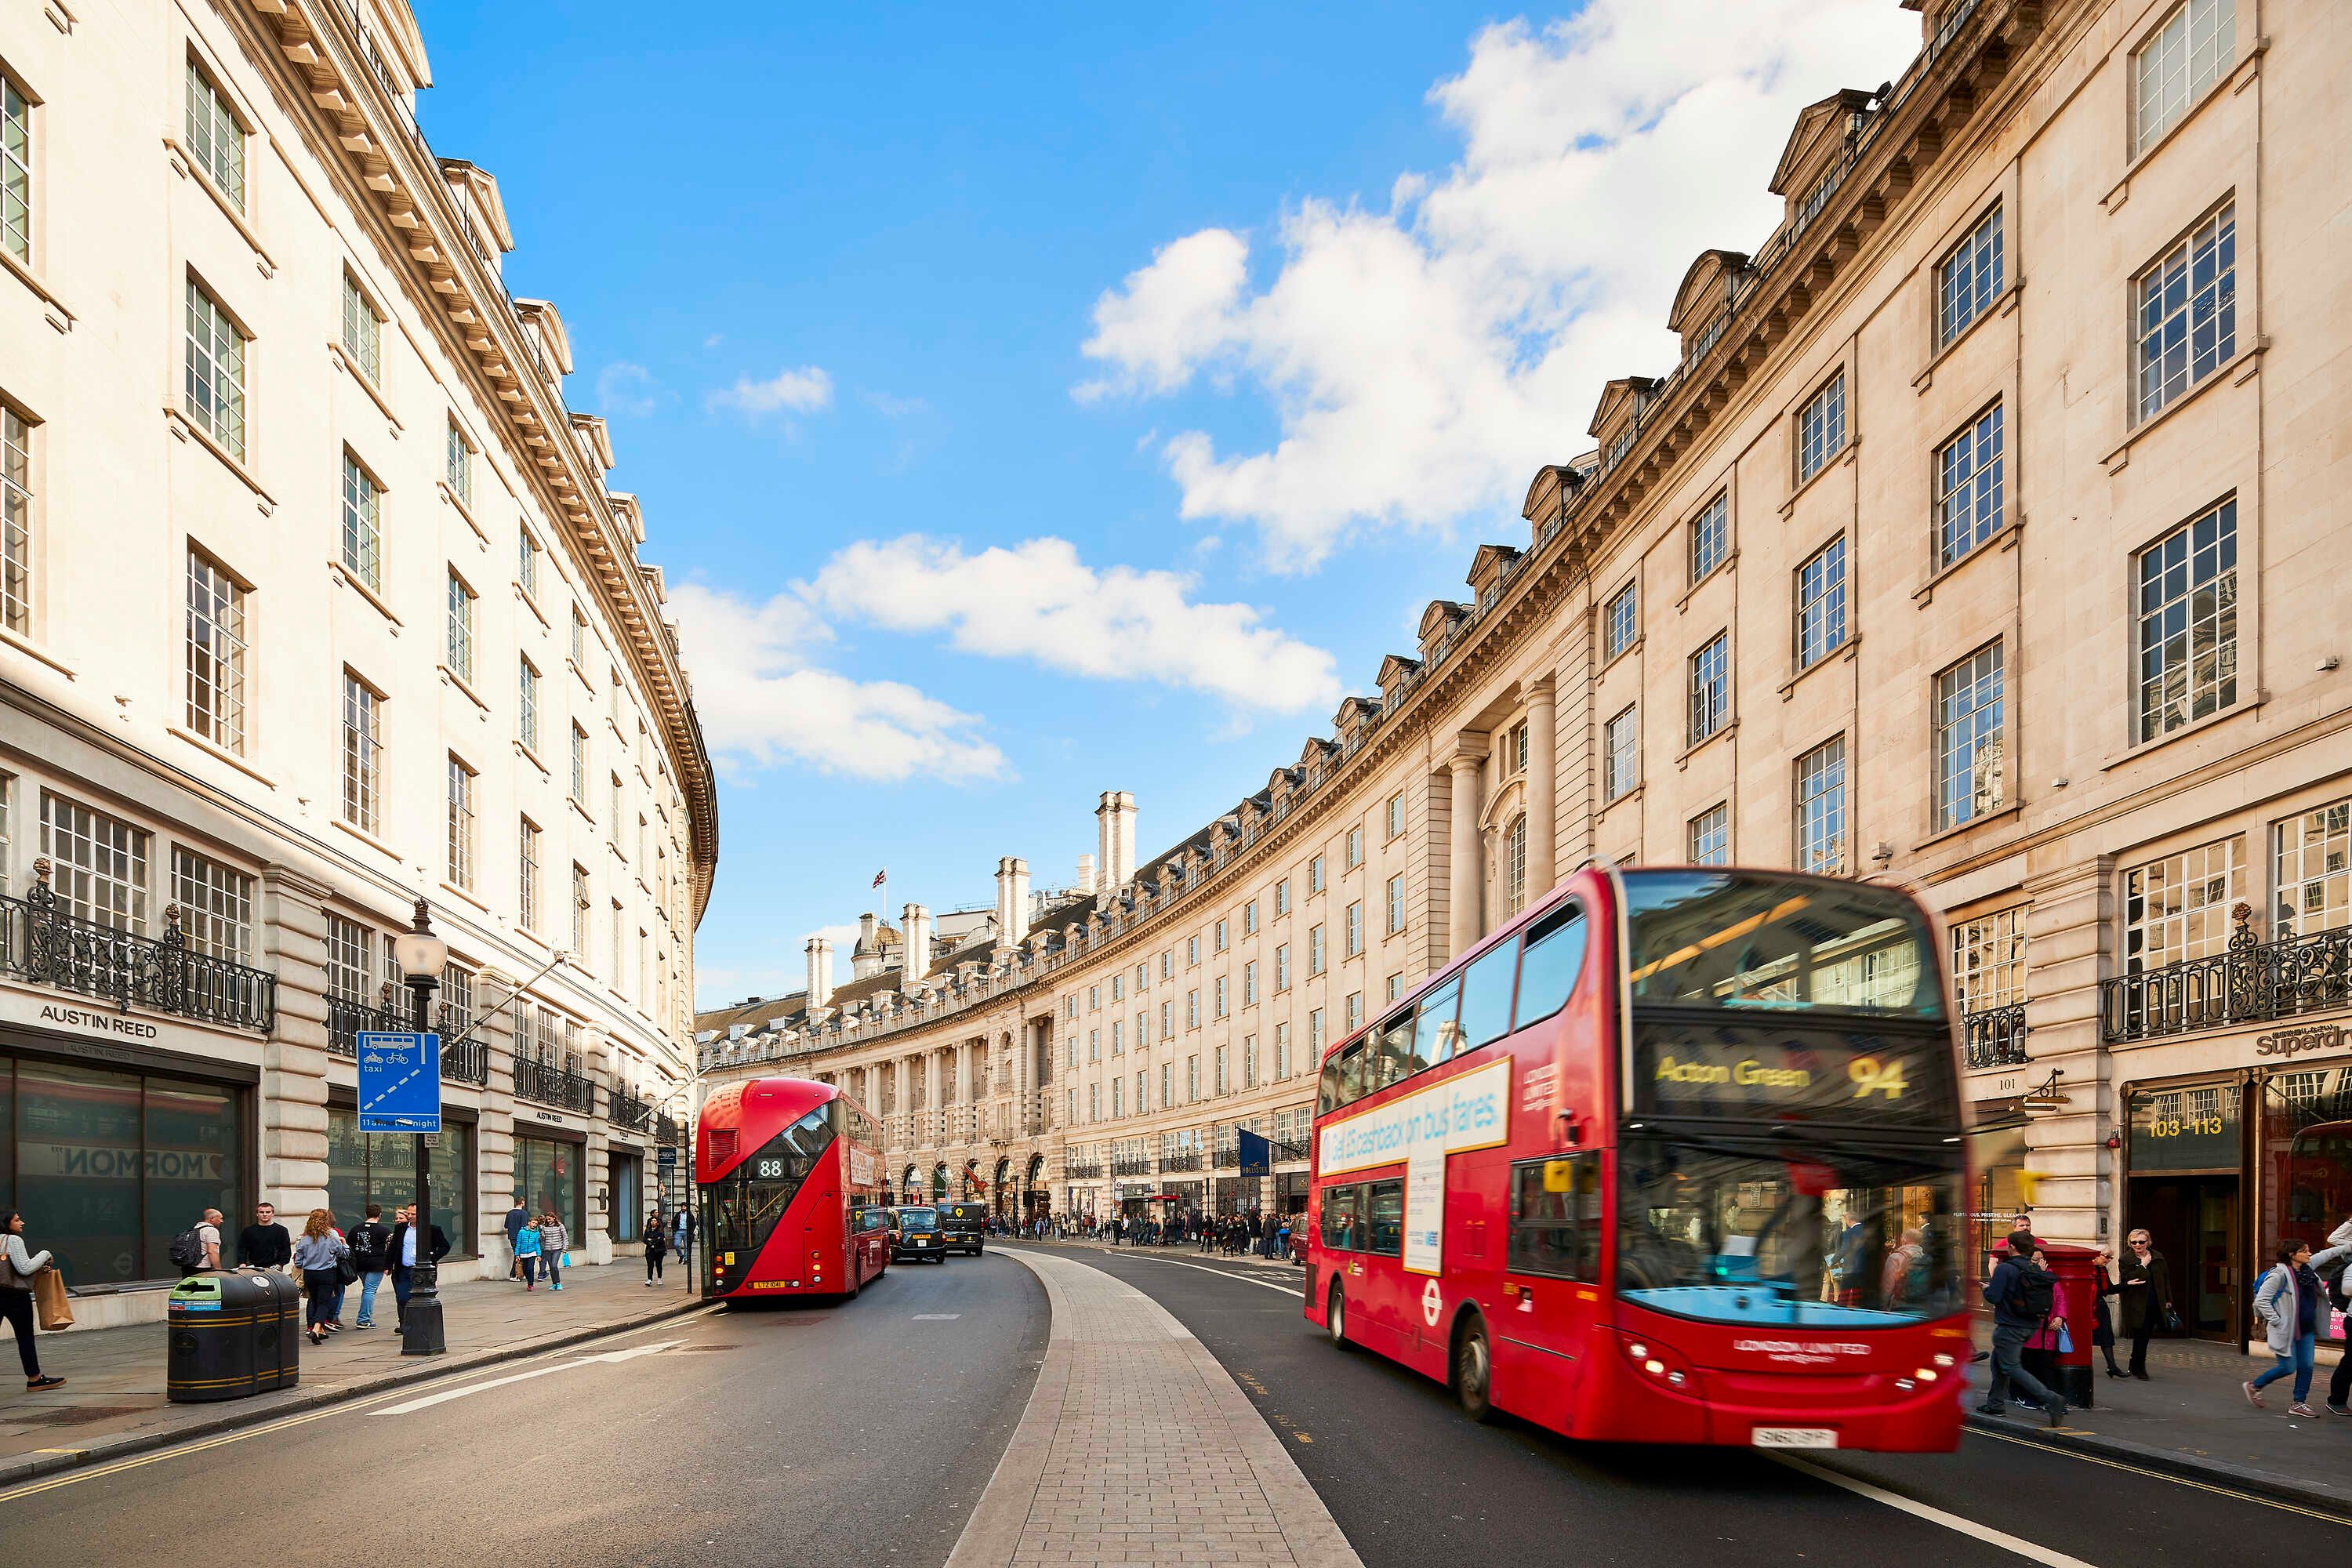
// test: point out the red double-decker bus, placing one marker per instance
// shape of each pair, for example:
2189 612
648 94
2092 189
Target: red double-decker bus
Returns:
790 1178
1675 1156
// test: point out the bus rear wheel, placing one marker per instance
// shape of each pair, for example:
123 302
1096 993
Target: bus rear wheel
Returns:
1473 1371
1335 1316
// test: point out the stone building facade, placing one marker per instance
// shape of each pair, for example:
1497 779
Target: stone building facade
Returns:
316 601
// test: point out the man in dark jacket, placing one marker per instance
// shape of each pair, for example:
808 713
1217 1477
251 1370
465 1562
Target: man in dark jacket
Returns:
2020 1294
263 1244
516 1217
402 1250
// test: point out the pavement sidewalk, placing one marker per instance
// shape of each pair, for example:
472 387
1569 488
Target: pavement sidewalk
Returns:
113 1402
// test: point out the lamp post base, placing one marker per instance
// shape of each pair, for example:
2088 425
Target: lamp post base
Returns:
420 1321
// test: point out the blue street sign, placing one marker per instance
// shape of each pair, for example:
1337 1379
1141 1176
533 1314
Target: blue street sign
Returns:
400 1083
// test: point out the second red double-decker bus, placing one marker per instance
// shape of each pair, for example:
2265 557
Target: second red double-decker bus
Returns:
789 1171
1675 1156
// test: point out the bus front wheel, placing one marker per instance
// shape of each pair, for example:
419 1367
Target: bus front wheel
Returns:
1474 1370
1335 1316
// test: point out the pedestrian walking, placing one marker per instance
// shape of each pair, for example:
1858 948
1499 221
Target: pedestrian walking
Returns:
402 1250
2145 1291
2288 1302
516 1217
681 1236
656 1248
2020 1293
319 1258
370 1244
263 1244
526 1246
17 1267
2103 1328
552 1240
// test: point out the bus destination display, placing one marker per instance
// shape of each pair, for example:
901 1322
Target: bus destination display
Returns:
1802 1074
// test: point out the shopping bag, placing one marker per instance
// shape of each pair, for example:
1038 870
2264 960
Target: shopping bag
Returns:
2065 1342
566 1260
49 1303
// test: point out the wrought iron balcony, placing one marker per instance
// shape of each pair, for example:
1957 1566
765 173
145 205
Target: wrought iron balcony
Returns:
628 1112
552 1085
42 943
2253 982
1083 1169
349 1019
466 1061
1132 1166
668 1129
1996 1036
1188 1161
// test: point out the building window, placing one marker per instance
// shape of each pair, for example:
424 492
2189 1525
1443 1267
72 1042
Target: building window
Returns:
461 628
215 706
527 862
362 524
1967 281
1355 847
363 332
580 766
2312 858
16 171
1821 428
1620 758
2186 56
215 138
1969 783
1191 1079
1282 967
1223 997
618 847
1167 1020
1710 836
1119 1036
215 906
215 380
1221 939
1315 876
1355 928
1282 898
1621 622
1221 1078
1821 604
580 906
1710 688
1989 961
15 520
1314 950
2188 622
98 864
2187 325
1315 1034
580 642
351 960
1191 951
457 1000
1249 984
1515 865
1282 1050
2178 907
613 927
527 554
1094 1045
1249 1061
1354 1012
1821 809
1396 903
1249 924
457 468
1192 1008
1395 986
363 752
1710 537
1396 814
1969 488
526 704
461 823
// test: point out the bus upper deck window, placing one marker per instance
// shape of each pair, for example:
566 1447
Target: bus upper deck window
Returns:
1549 967
1436 1031
1392 1057
1351 1074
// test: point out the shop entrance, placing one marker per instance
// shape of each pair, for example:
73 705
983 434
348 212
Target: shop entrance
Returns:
2193 1220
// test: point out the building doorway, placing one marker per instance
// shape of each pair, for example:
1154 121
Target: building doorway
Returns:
2193 1220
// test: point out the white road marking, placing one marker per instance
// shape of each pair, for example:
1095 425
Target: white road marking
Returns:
936 1317
410 1406
1220 1273
2032 1551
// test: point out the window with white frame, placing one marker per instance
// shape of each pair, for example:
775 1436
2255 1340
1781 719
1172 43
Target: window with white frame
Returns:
1710 537
1621 754
460 823
1191 951
215 372
1969 494
1221 934
1249 984
2188 614
580 642
1355 928
1282 898
1354 1013
2312 871
1315 876
1968 739
2186 55
1191 1079
98 864
527 553
1192 1008
1821 809
1249 918
1224 998
15 521
1968 278
1165 1102
216 137
1282 1050
1621 621
1710 688
1315 1034
579 764
1821 604
363 754
1220 1080
1094 998
2178 907
15 170
1821 428
1710 836
2187 315
526 702
1119 1036
1094 1045
1395 986
362 330
1396 903
351 960
1315 950
215 906
1396 814
1167 1020
526 840
216 653
457 1000
580 906
1282 967
1989 961
362 524
1514 865
612 928
1355 847
461 641
1249 1061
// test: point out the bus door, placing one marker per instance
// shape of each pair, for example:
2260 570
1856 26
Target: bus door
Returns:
1544 1327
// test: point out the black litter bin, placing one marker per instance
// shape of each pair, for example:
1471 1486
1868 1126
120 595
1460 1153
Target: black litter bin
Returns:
231 1335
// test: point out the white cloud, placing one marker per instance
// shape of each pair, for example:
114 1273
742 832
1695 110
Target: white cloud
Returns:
803 390
1038 601
1424 360
626 388
892 407
762 700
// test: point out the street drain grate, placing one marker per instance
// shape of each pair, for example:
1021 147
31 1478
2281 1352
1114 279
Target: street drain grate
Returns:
75 1415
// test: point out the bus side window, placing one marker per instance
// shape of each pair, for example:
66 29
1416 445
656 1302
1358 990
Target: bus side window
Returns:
1384 1218
1549 964
1352 1085
1328 1099
1486 997
1339 1218
1434 1031
1554 1230
1391 1055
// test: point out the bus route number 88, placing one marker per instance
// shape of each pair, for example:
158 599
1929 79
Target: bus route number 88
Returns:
770 1169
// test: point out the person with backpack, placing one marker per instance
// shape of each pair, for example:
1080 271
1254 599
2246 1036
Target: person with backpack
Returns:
552 1240
370 1242
527 1251
17 1267
2288 1302
197 1249
2020 1294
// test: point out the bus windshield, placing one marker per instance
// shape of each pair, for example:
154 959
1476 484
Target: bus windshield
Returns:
743 1205
1821 1236
1711 939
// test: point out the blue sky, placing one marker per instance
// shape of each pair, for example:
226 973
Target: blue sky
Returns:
1027 402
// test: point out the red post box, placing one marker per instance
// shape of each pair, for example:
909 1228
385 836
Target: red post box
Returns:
2078 1301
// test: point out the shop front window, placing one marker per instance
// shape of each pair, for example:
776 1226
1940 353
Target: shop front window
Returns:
547 1174
2307 1160
381 1168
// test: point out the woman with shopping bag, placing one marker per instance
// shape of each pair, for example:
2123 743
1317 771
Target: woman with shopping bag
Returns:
20 1272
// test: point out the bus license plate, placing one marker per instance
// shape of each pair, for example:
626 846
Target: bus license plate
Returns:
1795 1437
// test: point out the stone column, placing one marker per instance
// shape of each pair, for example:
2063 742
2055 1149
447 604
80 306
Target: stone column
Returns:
2067 951
1543 785
293 1109
494 1144
597 1162
1464 918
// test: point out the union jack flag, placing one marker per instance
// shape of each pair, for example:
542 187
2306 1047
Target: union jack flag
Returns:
882 876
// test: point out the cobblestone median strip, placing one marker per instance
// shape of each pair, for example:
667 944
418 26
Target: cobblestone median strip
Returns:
1137 1447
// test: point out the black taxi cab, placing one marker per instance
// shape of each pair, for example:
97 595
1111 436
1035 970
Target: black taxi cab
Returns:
916 1232
966 1222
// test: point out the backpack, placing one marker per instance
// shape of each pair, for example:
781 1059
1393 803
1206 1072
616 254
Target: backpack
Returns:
2332 1278
187 1252
2034 1292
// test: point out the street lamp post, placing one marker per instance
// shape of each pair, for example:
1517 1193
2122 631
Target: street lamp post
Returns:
421 956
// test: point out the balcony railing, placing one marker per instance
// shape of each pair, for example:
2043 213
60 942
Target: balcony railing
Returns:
466 1061
1083 1171
2253 982
348 1019
552 1085
1130 1165
42 943
668 1130
1188 1161
1996 1036
628 1112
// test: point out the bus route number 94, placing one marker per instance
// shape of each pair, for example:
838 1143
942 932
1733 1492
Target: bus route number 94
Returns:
1872 1076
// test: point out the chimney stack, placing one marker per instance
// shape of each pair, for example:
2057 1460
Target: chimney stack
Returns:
820 972
1115 838
1019 902
915 947
1087 883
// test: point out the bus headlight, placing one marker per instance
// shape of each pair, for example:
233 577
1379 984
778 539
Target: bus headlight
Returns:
1943 1359
1660 1364
1926 1375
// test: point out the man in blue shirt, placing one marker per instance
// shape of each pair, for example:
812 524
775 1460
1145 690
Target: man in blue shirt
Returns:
2020 1294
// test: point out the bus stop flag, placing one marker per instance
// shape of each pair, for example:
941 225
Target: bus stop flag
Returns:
1257 1155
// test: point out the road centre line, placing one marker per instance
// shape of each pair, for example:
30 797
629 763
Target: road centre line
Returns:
343 1407
410 1406
1220 1273
2032 1551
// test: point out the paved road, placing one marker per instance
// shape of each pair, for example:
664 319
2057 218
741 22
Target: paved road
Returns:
1412 1483
854 1434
